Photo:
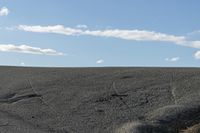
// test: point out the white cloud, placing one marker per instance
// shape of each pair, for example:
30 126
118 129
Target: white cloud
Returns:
100 61
197 55
173 59
22 64
4 11
136 35
59 29
27 49
82 26
194 44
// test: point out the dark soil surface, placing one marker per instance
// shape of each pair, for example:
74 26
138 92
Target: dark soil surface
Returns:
99 100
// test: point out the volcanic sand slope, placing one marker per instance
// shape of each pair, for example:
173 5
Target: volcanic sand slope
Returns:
99 100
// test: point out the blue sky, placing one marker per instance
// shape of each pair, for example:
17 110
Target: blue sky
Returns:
91 33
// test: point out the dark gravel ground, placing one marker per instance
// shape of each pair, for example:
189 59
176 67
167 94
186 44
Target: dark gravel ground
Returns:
98 100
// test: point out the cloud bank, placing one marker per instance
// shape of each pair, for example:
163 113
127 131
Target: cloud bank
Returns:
4 11
137 35
28 50
134 35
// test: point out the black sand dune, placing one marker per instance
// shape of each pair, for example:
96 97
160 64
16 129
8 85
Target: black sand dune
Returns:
99 100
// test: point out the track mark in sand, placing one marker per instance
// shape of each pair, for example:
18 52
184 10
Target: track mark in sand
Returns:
173 89
6 125
120 95
126 77
7 96
174 94
110 97
113 96
59 117
41 98
19 98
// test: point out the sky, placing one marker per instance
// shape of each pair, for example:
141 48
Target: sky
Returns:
100 33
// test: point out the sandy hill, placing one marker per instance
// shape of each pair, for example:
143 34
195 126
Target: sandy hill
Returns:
99 100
